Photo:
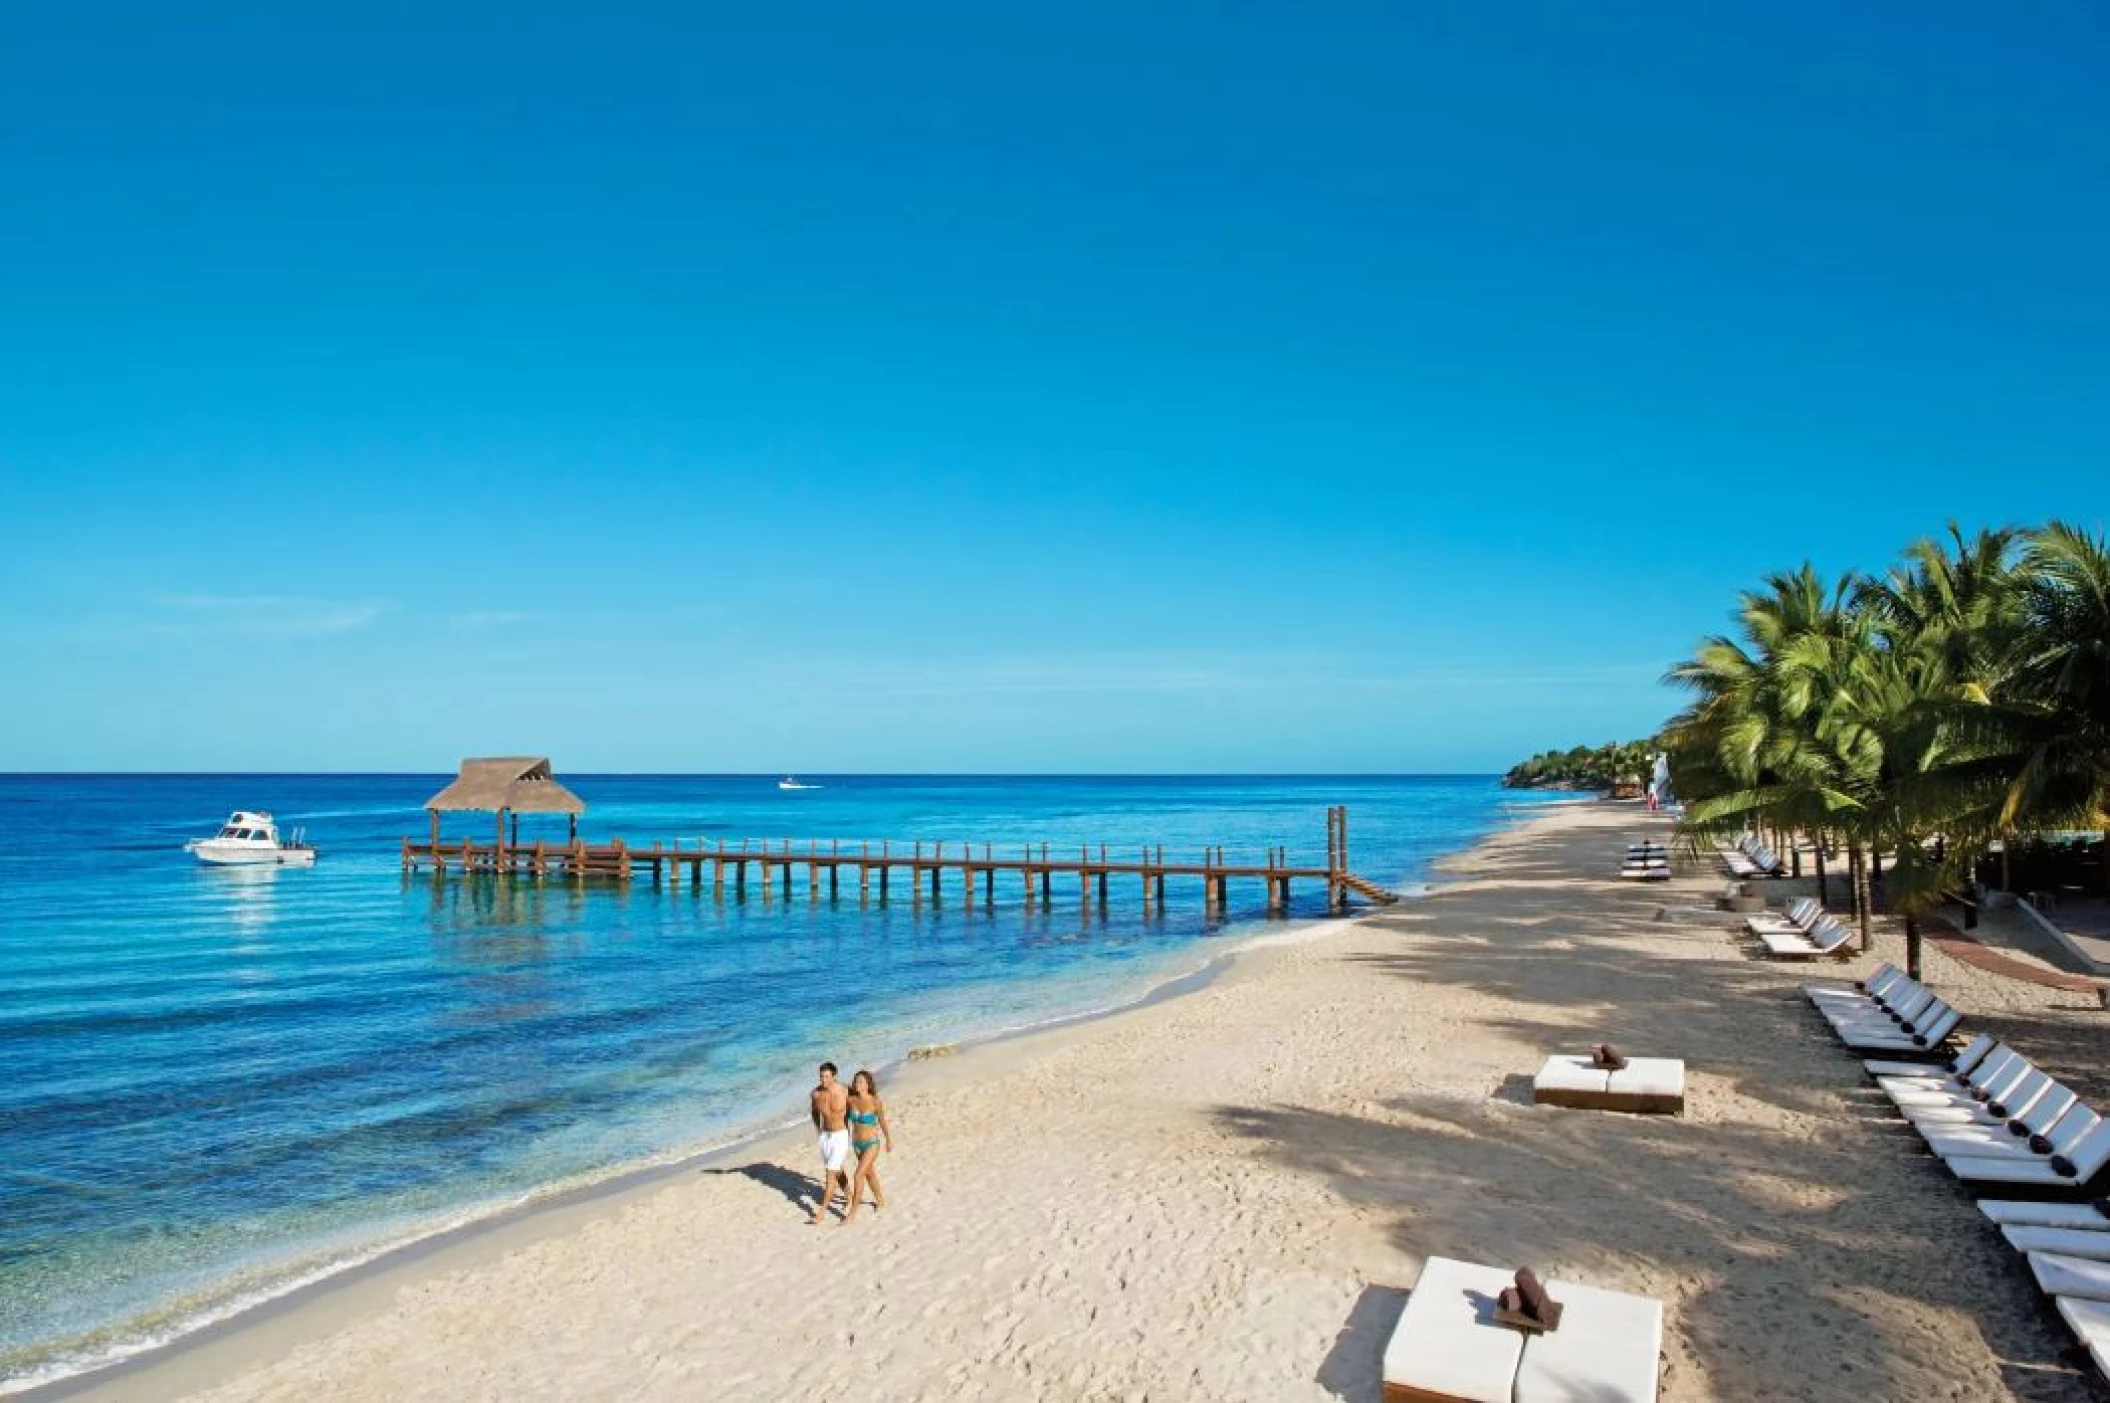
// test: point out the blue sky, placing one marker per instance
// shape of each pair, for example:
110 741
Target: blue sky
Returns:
1223 387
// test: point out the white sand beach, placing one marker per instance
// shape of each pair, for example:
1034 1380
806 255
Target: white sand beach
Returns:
1226 1194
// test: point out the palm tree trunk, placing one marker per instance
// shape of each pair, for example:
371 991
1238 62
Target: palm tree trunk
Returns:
1861 892
1824 896
1912 945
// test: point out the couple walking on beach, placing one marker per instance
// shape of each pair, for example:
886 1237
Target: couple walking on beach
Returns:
854 1132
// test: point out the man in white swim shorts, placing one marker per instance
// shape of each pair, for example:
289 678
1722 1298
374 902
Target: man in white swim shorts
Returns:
831 1103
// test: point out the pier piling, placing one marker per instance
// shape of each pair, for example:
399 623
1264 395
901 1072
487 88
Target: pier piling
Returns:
1035 864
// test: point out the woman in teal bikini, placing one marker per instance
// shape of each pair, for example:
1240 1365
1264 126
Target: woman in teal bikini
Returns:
870 1135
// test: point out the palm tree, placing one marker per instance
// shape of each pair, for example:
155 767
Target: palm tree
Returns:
1962 696
1882 715
2062 681
1956 614
1747 750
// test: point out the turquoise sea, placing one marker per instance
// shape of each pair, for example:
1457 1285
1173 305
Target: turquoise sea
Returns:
219 1083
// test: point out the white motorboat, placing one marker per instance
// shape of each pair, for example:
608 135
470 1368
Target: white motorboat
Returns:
250 839
790 783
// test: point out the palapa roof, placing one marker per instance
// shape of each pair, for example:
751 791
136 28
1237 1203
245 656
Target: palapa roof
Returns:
522 783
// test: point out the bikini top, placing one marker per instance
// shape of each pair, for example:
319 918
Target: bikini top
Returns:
865 1117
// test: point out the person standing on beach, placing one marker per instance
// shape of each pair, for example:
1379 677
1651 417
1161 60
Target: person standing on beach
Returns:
870 1137
831 1104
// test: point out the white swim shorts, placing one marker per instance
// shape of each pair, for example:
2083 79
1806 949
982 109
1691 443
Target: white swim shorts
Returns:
835 1150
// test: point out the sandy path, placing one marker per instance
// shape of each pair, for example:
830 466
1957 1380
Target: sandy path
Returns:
1221 1196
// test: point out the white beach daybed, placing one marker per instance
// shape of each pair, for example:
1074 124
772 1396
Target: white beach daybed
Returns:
1447 1347
1647 1085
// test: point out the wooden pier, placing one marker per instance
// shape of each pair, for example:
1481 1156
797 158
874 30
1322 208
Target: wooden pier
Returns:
781 865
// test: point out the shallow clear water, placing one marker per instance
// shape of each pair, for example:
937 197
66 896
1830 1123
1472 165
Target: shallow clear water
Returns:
217 1081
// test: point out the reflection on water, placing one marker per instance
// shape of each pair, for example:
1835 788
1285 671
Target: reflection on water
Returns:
251 894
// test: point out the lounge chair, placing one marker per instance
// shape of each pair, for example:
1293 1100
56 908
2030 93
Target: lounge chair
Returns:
1447 1346
2060 1140
2035 1101
1800 915
1961 1064
2090 1321
1966 1092
1827 937
2080 1278
2091 1244
1929 1031
1879 990
2053 1125
1750 859
1968 1083
2068 1172
1845 1016
2022 1212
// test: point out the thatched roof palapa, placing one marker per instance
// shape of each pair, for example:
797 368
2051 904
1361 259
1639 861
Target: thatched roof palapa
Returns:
522 784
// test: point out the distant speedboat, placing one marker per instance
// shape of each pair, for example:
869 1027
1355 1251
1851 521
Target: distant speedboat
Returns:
790 783
248 840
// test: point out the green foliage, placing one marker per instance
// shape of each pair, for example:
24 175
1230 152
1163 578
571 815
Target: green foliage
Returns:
1963 695
1585 767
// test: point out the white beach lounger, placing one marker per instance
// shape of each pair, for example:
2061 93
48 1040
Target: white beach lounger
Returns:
1447 1347
1974 1052
2021 1212
1877 989
1801 914
1930 1029
2063 1137
1894 1002
1984 1141
1828 937
2082 1278
1955 1091
2012 1083
1901 1019
2038 1105
1897 1007
2037 1101
2090 1322
2085 1157
2090 1243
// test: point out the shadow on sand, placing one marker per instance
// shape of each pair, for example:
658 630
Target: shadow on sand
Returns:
801 1191
1734 1230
